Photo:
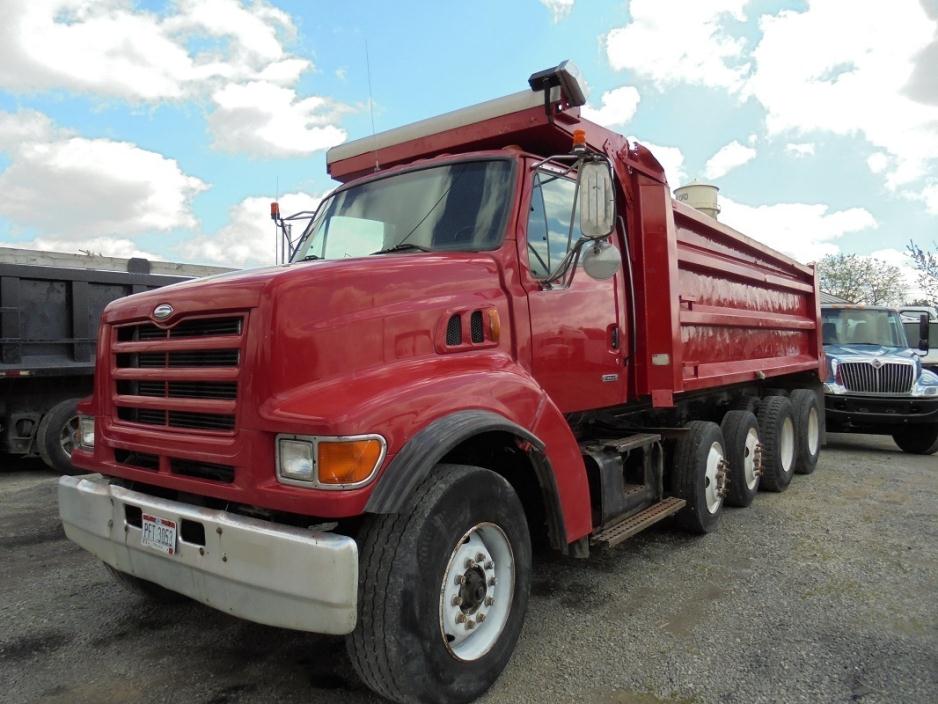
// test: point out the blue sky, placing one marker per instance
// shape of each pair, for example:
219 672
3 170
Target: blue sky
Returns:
164 128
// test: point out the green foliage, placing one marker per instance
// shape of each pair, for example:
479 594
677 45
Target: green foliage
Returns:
926 265
862 279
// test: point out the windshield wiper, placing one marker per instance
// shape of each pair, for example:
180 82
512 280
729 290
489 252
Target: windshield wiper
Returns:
403 246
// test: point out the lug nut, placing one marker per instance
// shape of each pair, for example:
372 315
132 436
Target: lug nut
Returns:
457 600
479 557
460 618
470 624
489 565
492 581
470 563
480 618
460 580
489 600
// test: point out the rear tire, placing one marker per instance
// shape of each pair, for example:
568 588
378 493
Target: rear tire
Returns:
413 641
145 589
741 433
57 436
918 439
700 476
777 431
807 430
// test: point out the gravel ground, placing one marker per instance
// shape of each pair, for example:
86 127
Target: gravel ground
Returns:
826 593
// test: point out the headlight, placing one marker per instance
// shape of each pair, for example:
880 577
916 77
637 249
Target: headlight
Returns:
329 462
86 432
296 460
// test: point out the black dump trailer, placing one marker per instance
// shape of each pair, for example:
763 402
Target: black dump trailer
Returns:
50 305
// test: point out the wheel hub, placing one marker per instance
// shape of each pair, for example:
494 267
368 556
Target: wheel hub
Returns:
473 589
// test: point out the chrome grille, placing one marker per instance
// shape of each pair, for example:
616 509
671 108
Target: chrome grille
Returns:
183 377
865 378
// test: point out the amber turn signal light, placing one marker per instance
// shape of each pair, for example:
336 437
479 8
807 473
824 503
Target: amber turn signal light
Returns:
348 461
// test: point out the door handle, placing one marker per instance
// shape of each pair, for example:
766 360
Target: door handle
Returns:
613 336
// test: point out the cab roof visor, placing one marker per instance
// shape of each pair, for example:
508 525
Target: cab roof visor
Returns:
565 75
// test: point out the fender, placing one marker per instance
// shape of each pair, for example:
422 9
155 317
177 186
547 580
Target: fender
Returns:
425 450
403 401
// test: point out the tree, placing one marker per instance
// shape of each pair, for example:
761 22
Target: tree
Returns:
862 279
926 265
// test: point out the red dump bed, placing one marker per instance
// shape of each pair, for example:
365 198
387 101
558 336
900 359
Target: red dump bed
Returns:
715 307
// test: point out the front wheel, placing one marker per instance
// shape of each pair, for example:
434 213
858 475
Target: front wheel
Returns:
57 436
918 439
443 589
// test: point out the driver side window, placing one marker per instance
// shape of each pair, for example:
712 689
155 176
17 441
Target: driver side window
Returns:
549 233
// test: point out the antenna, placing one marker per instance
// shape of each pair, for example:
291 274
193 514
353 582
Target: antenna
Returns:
371 106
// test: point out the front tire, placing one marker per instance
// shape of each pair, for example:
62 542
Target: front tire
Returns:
414 641
918 439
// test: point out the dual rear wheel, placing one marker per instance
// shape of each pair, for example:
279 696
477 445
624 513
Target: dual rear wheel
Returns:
758 444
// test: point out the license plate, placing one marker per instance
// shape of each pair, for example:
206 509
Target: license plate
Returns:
158 533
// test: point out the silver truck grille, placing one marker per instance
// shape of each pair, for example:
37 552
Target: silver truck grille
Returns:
865 378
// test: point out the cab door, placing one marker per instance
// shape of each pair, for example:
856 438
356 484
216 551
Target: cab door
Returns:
576 332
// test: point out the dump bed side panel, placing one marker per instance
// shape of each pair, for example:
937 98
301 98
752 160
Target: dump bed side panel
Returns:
732 309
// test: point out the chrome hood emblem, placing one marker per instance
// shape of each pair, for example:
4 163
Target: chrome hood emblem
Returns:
162 311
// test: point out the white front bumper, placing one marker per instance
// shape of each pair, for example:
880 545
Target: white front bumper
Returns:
261 571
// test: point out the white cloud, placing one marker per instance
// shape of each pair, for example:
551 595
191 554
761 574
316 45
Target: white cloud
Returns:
249 238
671 41
200 48
105 246
265 119
670 158
802 230
929 196
800 149
559 8
853 79
72 188
877 162
729 157
618 107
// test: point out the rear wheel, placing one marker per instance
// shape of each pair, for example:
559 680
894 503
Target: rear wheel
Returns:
443 589
700 475
807 430
918 439
57 436
777 431
743 452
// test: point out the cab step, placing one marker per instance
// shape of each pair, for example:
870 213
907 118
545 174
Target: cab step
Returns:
621 531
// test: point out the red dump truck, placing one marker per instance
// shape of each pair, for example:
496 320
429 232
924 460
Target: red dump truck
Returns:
499 331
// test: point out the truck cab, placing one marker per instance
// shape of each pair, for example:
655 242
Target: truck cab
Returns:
876 381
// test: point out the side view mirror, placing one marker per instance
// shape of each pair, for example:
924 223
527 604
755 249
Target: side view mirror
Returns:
923 332
597 199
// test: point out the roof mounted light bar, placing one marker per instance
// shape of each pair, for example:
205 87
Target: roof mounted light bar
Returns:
567 76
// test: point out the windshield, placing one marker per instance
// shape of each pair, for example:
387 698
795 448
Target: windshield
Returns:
856 326
461 206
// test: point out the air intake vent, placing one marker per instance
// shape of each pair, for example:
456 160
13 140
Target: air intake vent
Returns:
454 331
140 460
203 470
196 327
475 327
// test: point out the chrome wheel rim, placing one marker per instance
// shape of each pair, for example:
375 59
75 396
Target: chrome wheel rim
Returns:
712 491
749 459
476 593
68 435
787 444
